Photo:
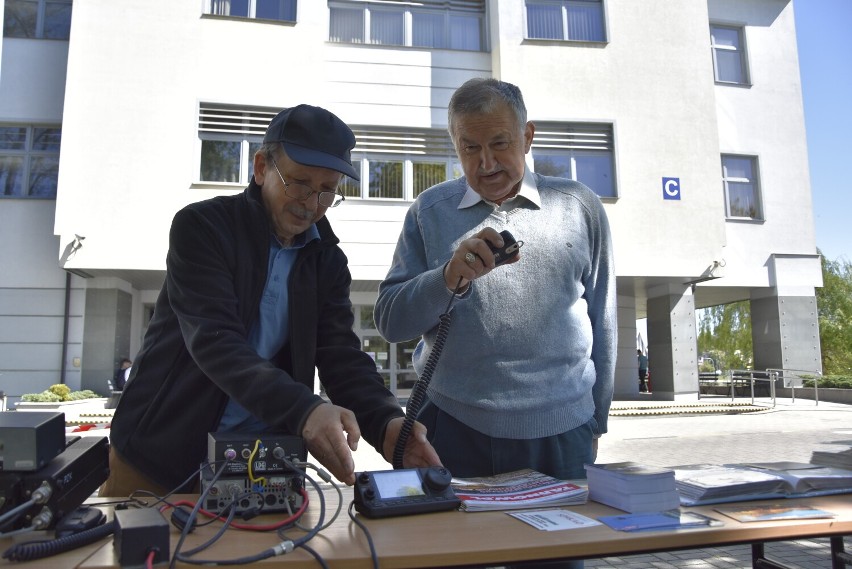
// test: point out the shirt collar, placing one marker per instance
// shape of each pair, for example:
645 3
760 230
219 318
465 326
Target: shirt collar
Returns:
301 239
528 191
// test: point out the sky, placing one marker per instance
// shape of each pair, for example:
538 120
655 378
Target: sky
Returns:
824 36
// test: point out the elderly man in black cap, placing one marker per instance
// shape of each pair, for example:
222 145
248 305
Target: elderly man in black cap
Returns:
255 301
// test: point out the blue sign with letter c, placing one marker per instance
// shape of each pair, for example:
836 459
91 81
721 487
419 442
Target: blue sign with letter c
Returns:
671 188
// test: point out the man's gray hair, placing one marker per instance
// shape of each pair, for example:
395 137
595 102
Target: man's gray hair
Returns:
482 95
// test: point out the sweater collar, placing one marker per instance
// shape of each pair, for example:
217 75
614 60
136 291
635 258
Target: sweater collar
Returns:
528 192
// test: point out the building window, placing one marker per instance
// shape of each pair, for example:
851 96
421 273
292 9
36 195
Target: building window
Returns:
229 138
41 19
283 10
577 20
399 164
29 161
579 151
393 360
729 61
433 24
742 187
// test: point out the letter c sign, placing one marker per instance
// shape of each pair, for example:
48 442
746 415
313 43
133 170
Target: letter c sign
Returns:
671 188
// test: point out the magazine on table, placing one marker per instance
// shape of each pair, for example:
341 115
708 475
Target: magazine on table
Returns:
515 490
771 512
655 521
712 484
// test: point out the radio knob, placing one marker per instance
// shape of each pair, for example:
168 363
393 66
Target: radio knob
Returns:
438 478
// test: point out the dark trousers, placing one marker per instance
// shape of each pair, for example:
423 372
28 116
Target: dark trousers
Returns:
468 453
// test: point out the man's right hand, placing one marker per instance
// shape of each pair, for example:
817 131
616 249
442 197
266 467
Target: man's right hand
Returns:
331 433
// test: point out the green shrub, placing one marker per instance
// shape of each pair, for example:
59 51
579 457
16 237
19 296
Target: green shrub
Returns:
832 381
58 393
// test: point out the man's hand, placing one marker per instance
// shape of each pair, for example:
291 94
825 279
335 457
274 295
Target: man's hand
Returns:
473 258
418 451
331 433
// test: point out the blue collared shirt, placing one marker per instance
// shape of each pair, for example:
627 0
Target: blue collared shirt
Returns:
271 329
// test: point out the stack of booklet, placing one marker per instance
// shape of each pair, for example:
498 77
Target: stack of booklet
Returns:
633 487
713 483
834 453
513 490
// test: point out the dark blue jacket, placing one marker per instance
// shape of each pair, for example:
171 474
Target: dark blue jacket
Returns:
195 354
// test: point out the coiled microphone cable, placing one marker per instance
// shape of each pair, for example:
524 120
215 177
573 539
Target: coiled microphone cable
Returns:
418 394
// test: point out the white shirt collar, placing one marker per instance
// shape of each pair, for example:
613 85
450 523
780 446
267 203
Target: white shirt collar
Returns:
528 191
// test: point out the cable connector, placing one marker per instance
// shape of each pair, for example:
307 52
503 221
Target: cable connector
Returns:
42 519
284 548
42 494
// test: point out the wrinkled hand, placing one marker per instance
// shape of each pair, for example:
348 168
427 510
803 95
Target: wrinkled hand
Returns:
482 261
418 451
331 433
595 449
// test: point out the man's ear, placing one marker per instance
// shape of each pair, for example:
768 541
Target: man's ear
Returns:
259 168
529 132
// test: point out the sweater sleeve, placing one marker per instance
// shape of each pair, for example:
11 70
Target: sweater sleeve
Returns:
414 294
600 292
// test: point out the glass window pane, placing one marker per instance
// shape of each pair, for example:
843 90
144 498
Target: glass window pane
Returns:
427 175
253 148
585 21
44 172
366 321
464 33
427 30
349 187
544 21
57 20
386 28
20 17
220 161
385 179
378 349
595 171
737 167
47 139
346 25
238 8
729 37
276 10
742 200
13 138
12 175
729 66
551 165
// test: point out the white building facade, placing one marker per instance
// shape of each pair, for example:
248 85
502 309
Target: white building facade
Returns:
686 117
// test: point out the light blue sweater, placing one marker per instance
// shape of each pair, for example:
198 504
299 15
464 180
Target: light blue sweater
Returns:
531 347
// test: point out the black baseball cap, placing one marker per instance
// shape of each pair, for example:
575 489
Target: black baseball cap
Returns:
314 136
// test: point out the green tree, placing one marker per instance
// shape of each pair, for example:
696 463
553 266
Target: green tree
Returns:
834 307
724 332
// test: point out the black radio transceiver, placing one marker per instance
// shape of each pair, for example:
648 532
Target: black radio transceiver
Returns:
385 493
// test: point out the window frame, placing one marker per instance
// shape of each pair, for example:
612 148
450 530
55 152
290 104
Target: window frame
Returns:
754 182
741 50
41 18
564 8
575 140
29 156
408 10
252 12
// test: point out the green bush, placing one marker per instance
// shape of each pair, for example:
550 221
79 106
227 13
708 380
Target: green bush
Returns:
832 381
58 393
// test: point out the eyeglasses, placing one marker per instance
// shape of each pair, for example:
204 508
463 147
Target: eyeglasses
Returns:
302 192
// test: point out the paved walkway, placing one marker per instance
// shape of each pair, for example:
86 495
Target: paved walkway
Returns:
715 431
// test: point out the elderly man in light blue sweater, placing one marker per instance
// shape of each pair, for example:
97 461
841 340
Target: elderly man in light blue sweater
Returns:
525 378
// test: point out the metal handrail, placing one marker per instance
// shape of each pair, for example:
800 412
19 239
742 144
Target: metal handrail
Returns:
784 374
750 374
